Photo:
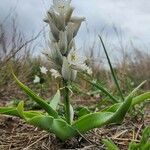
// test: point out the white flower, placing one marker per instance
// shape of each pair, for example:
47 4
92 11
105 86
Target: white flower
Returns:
84 67
67 72
55 73
61 6
75 59
89 71
78 61
43 70
36 79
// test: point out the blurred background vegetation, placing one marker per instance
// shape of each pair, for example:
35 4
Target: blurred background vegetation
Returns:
132 66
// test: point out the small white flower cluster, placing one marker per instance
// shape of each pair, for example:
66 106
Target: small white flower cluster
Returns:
37 78
63 29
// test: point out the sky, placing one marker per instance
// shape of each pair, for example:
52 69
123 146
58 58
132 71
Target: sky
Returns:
130 17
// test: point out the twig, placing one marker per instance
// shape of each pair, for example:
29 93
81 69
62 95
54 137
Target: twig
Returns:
23 45
138 132
125 139
35 142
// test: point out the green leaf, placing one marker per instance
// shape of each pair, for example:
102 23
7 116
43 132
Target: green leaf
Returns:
121 111
136 89
136 100
57 126
144 143
55 101
90 121
31 114
9 111
145 136
113 108
37 99
20 109
112 70
14 112
110 144
104 90
133 146
83 111
98 119
141 98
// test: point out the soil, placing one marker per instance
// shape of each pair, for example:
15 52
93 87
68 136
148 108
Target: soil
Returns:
15 134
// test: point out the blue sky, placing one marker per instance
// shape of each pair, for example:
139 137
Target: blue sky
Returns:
130 17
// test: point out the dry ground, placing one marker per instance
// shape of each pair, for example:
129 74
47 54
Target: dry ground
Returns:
17 135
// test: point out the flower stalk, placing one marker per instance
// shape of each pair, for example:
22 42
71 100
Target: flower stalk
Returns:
66 62
67 102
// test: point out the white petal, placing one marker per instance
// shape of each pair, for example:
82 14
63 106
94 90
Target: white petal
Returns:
36 79
43 70
61 6
55 73
75 58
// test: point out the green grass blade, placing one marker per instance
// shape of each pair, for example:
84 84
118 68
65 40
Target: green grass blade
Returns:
112 70
98 86
109 144
104 90
136 89
145 136
37 99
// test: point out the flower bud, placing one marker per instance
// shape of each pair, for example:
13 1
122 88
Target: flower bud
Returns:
63 43
76 24
68 73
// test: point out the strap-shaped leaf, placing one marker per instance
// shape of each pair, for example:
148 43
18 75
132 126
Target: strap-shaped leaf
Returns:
141 98
121 111
9 111
57 126
136 100
20 109
31 114
14 112
55 101
111 69
37 99
94 120
112 108
136 89
104 90
98 119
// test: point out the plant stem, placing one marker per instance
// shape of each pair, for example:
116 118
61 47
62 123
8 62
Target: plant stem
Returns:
67 102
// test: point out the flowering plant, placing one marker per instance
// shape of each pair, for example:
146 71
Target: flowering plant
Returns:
66 64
